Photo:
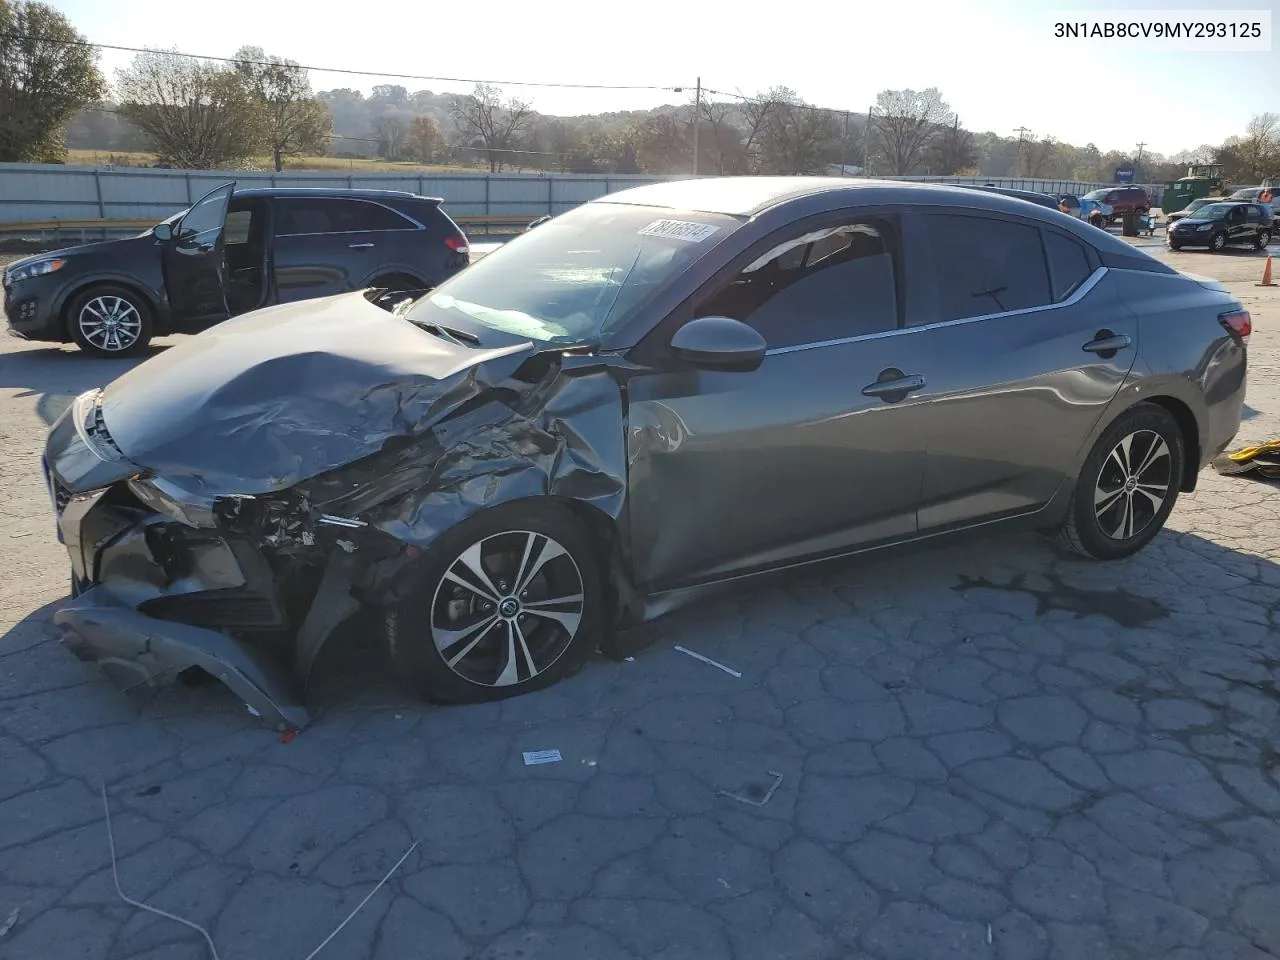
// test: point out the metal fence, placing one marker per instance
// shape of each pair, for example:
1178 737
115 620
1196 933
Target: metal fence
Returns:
30 192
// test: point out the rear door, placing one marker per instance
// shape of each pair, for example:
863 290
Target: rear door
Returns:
193 259
1239 229
328 245
1025 346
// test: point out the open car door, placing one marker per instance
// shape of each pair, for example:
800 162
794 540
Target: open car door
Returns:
193 258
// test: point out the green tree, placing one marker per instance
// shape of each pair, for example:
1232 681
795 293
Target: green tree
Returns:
193 113
47 73
295 123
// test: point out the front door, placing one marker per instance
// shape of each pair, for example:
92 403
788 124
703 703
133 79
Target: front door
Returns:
817 451
1023 350
192 260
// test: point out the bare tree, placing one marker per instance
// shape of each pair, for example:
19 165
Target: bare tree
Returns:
951 150
1258 151
46 75
392 134
757 111
193 113
725 140
795 137
425 139
295 122
484 119
1038 155
905 121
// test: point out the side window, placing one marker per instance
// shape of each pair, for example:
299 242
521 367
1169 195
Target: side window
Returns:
305 215
297 215
362 215
830 284
984 266
1254 215
1068 264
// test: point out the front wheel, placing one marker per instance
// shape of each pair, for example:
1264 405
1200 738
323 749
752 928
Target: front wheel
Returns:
109 321
1127 486
507 602
1263 240
1218 242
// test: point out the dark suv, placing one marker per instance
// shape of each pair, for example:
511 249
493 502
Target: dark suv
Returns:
1122 200
228 253
1217 225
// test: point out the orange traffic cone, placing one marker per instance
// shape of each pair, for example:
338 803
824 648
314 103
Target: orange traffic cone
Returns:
1266 275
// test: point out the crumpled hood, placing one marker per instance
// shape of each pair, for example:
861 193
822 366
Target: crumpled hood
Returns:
275 397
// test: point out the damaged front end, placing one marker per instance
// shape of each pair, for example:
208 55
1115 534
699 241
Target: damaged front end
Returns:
212 525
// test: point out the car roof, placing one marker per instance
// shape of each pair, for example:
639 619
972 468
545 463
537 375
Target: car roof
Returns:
745 197
362 194
749 196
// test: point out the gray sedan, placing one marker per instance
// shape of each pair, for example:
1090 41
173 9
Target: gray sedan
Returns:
663 390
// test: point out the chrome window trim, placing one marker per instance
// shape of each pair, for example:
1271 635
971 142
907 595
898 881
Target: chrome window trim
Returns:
1080 293
416 225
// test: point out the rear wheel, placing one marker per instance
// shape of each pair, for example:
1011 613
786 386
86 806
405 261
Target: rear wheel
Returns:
397 281
109 321
1263 240
507 602
1127 486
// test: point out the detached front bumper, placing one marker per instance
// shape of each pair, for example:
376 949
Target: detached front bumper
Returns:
134 649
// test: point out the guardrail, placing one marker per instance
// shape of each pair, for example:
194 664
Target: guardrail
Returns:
487 225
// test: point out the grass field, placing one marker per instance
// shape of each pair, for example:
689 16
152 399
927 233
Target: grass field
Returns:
98 158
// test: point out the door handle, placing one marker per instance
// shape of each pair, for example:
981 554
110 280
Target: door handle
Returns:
894 385
359 246
1107 344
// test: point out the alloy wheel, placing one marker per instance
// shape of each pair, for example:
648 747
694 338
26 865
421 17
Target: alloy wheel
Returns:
1135 481
111 324
507 608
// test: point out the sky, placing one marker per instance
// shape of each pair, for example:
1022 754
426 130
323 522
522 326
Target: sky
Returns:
996 62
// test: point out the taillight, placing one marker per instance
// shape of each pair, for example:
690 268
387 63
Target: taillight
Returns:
457 243
1238 322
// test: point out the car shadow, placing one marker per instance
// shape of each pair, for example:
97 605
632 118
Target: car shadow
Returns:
57 375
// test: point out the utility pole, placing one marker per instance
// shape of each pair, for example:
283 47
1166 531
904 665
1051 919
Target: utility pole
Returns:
866 144
844 148
1017 164
1137 163
697 117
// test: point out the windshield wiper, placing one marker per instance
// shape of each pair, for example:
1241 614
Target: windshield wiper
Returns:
458 338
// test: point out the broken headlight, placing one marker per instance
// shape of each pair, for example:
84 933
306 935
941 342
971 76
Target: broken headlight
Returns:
166 497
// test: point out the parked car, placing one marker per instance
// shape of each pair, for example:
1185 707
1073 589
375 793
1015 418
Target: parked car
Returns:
667 389
227 254
1250 194
1122 200
1219 225
1094 212
1189 209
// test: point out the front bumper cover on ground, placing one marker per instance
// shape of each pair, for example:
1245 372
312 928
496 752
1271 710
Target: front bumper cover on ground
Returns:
135 649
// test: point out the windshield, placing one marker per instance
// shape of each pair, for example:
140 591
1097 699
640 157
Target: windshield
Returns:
1211 211
1196 205
1096 194
578 276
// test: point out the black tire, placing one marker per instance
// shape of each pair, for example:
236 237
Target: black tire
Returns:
538 632
1263 240
1218 242
131 314
1098 532
1175 246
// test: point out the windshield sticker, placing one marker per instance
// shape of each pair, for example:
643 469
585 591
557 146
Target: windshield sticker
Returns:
679 230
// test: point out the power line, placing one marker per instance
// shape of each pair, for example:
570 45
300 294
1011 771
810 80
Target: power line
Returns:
342 70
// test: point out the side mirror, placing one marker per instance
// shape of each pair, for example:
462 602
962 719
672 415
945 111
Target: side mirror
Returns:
162 231
719 343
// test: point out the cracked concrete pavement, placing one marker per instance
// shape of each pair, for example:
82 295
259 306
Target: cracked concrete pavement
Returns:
986 751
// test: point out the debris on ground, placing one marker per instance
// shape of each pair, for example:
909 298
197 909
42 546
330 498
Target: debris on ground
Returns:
718 666
1264 458
768 794
534 757
10 921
